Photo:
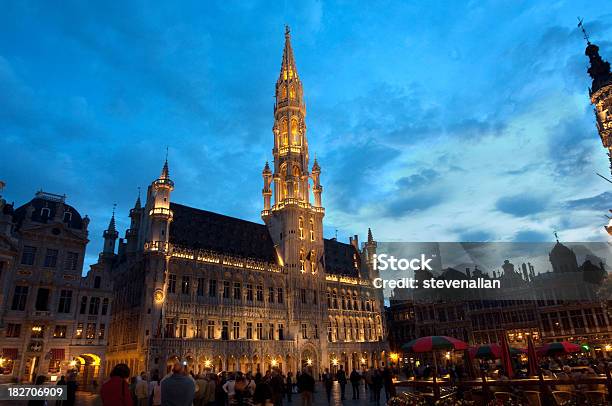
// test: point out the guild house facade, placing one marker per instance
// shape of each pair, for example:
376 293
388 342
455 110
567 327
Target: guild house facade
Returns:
221 293
52 320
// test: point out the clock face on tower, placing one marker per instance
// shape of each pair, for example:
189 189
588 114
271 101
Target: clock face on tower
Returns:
158 295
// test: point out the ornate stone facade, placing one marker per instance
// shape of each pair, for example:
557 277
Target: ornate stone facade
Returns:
52 320
223 293
600 93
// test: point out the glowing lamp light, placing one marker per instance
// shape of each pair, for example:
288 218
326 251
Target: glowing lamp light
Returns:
363 361
207 363
309 362
335 362
158 295
394 356
447 355
608 347
273 362
37 329
72 363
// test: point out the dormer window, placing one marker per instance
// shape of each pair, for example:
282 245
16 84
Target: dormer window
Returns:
67 216
45 212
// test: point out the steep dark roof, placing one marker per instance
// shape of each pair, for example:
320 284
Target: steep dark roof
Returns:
73 221
339 258
201 229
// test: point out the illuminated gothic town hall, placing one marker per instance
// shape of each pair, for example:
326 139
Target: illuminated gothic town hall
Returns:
223 293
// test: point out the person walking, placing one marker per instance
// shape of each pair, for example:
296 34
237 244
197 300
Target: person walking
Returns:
229 388
210 390
115 391
177 389
306 385
71 388
142 390
201 385
289 386
62 382
277 385
341 378
355 379
328 383
377 384
369 375
155 390
388 383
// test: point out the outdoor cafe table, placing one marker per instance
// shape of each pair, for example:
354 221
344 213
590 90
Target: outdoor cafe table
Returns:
520 382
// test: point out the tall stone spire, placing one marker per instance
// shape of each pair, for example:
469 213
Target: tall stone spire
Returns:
110 235
288 67
296 225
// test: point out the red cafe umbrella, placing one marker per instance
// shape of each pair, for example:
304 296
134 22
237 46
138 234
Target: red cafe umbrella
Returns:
432 343
561 347
491 351
505 357
532 369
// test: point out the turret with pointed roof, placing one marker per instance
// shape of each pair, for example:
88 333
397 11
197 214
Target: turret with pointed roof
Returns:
110 236
601 97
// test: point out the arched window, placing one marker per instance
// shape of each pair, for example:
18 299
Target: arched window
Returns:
301 227
292 92
335 299
283 92
313 261
312 230
295 136
302 261
284 131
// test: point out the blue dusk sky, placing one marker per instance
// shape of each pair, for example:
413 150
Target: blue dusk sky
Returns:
432 121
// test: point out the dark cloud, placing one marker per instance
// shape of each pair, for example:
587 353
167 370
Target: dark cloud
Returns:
404 205
531 236
476 236
601 202
424 178
353 173
522 205
571 145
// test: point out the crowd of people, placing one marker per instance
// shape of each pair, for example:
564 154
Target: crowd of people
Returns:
183 388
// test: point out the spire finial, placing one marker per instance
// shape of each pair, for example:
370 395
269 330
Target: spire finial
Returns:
112 230
581 26
287 31
556 236
137 205
165 172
